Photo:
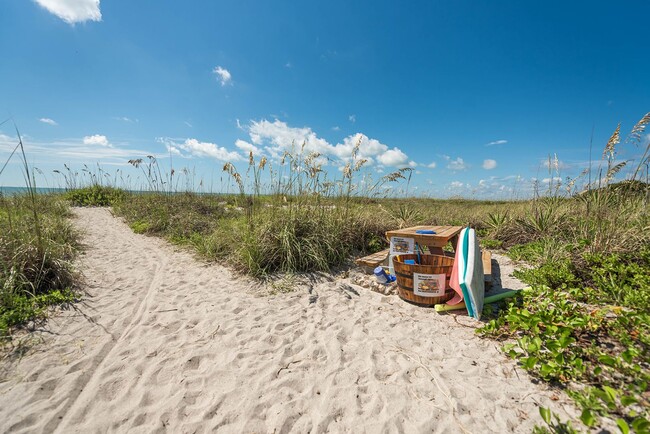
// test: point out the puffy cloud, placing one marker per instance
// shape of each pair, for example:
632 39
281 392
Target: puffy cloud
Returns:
432 165
457 164
48 121
247 147
413 164
96 140
368 148
207 149
280 137
456 184
277 137
497 142
489 164
73 11
393 157
223 75
352 118
174 150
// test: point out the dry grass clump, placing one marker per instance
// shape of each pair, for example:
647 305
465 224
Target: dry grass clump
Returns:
30 264
37 245
303 221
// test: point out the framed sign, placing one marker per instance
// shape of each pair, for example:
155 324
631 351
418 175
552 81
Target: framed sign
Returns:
401 245
429 285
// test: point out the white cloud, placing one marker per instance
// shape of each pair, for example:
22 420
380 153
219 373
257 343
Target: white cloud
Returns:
555 164
48 121
87 149
368 148
247 147
497 142
352 118
489 164
393 157
277 137
413 164
223 74
125 119
456 184
96 140
7 143
174 150
73 11
336 128
457 164
432 165
188 124
207 149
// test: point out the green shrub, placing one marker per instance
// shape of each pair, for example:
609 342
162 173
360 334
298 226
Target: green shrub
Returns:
95 195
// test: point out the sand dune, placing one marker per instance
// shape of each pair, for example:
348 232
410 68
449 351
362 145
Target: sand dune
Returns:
163 342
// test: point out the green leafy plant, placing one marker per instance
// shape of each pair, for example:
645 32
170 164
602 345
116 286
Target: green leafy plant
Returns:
95 195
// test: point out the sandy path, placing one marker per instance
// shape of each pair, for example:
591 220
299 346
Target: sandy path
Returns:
166 343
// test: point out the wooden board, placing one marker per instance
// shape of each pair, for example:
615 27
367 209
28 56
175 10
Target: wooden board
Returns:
374 260
487 266
443 235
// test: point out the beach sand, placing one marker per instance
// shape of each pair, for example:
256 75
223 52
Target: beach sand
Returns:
164 342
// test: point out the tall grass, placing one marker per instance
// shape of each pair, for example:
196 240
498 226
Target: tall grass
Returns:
37 245
301 220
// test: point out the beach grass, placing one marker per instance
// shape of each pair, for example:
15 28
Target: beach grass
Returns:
37 246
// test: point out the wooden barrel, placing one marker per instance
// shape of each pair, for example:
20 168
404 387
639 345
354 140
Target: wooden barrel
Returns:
429 264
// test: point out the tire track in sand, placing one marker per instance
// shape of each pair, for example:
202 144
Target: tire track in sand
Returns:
87 383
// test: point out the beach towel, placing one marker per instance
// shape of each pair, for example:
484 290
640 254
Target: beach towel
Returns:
454 281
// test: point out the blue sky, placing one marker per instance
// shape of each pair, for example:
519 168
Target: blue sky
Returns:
472 95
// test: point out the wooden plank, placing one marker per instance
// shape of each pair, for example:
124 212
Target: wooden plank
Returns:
487 265
438 240
373 260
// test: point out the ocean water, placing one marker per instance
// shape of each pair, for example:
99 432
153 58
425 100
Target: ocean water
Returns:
10 191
